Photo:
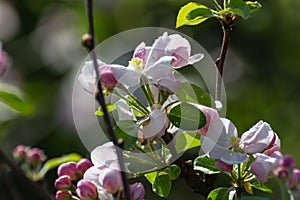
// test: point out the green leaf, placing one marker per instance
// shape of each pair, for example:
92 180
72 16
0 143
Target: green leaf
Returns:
187 140
262 188
253 198
127 130
253 6
188 92
110 107
173 171
187 117
205 165
16 103
239 7
162 185
193 14
219 194
55 162
151 176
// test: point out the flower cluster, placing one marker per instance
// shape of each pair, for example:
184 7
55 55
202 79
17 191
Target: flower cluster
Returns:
30 160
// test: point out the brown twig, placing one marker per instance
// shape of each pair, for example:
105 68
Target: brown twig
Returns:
90 44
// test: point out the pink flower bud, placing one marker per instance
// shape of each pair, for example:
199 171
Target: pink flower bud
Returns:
281 172
288 162
20 153
83 165
63 195
36 156
107 77
223 166
86 190
69 169
112 181
294 180
137 191
63 183
3 62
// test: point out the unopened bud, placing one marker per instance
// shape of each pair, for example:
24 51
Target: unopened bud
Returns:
112 181
86 190
36 156
20 153
69 169
288 162
83 165
63 195
63 183
86 40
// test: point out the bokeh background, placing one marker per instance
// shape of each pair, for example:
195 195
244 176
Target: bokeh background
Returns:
262 71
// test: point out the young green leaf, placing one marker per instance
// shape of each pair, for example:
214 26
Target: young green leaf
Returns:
253 6
110 107
193 14
188 92
16 103
173 171
187 117
55 162
162 185
205 165
127 130
239 7
262 187
187 140
151 176
219 194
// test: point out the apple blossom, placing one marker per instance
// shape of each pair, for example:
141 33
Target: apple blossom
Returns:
223 166
210 115
111 180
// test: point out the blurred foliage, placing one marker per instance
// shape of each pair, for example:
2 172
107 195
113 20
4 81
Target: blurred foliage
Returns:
262 71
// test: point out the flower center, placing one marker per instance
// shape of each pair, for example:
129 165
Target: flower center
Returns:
137 64
235 143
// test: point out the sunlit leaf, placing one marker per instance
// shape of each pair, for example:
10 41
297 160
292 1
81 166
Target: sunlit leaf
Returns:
187 117
162 185
55 162
173 171
253 5
188 92
205 165
16 103
219 194
239 7
193 14
187 140
110 107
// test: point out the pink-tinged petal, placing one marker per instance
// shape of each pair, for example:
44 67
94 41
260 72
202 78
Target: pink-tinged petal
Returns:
273 146
123 110
234 158
111 180
213 150
263 166
294 180
210 115
126 76
223 166
107 77
257 139
4 60
63 183
195 58
221 131
69 169
83 165
142 52
63 195
168 84
158 49
160 68
181 57
105 155
93 173
288 162
156 126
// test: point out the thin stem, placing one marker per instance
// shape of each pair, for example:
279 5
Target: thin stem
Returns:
220 62
41 190
100 98
217 5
